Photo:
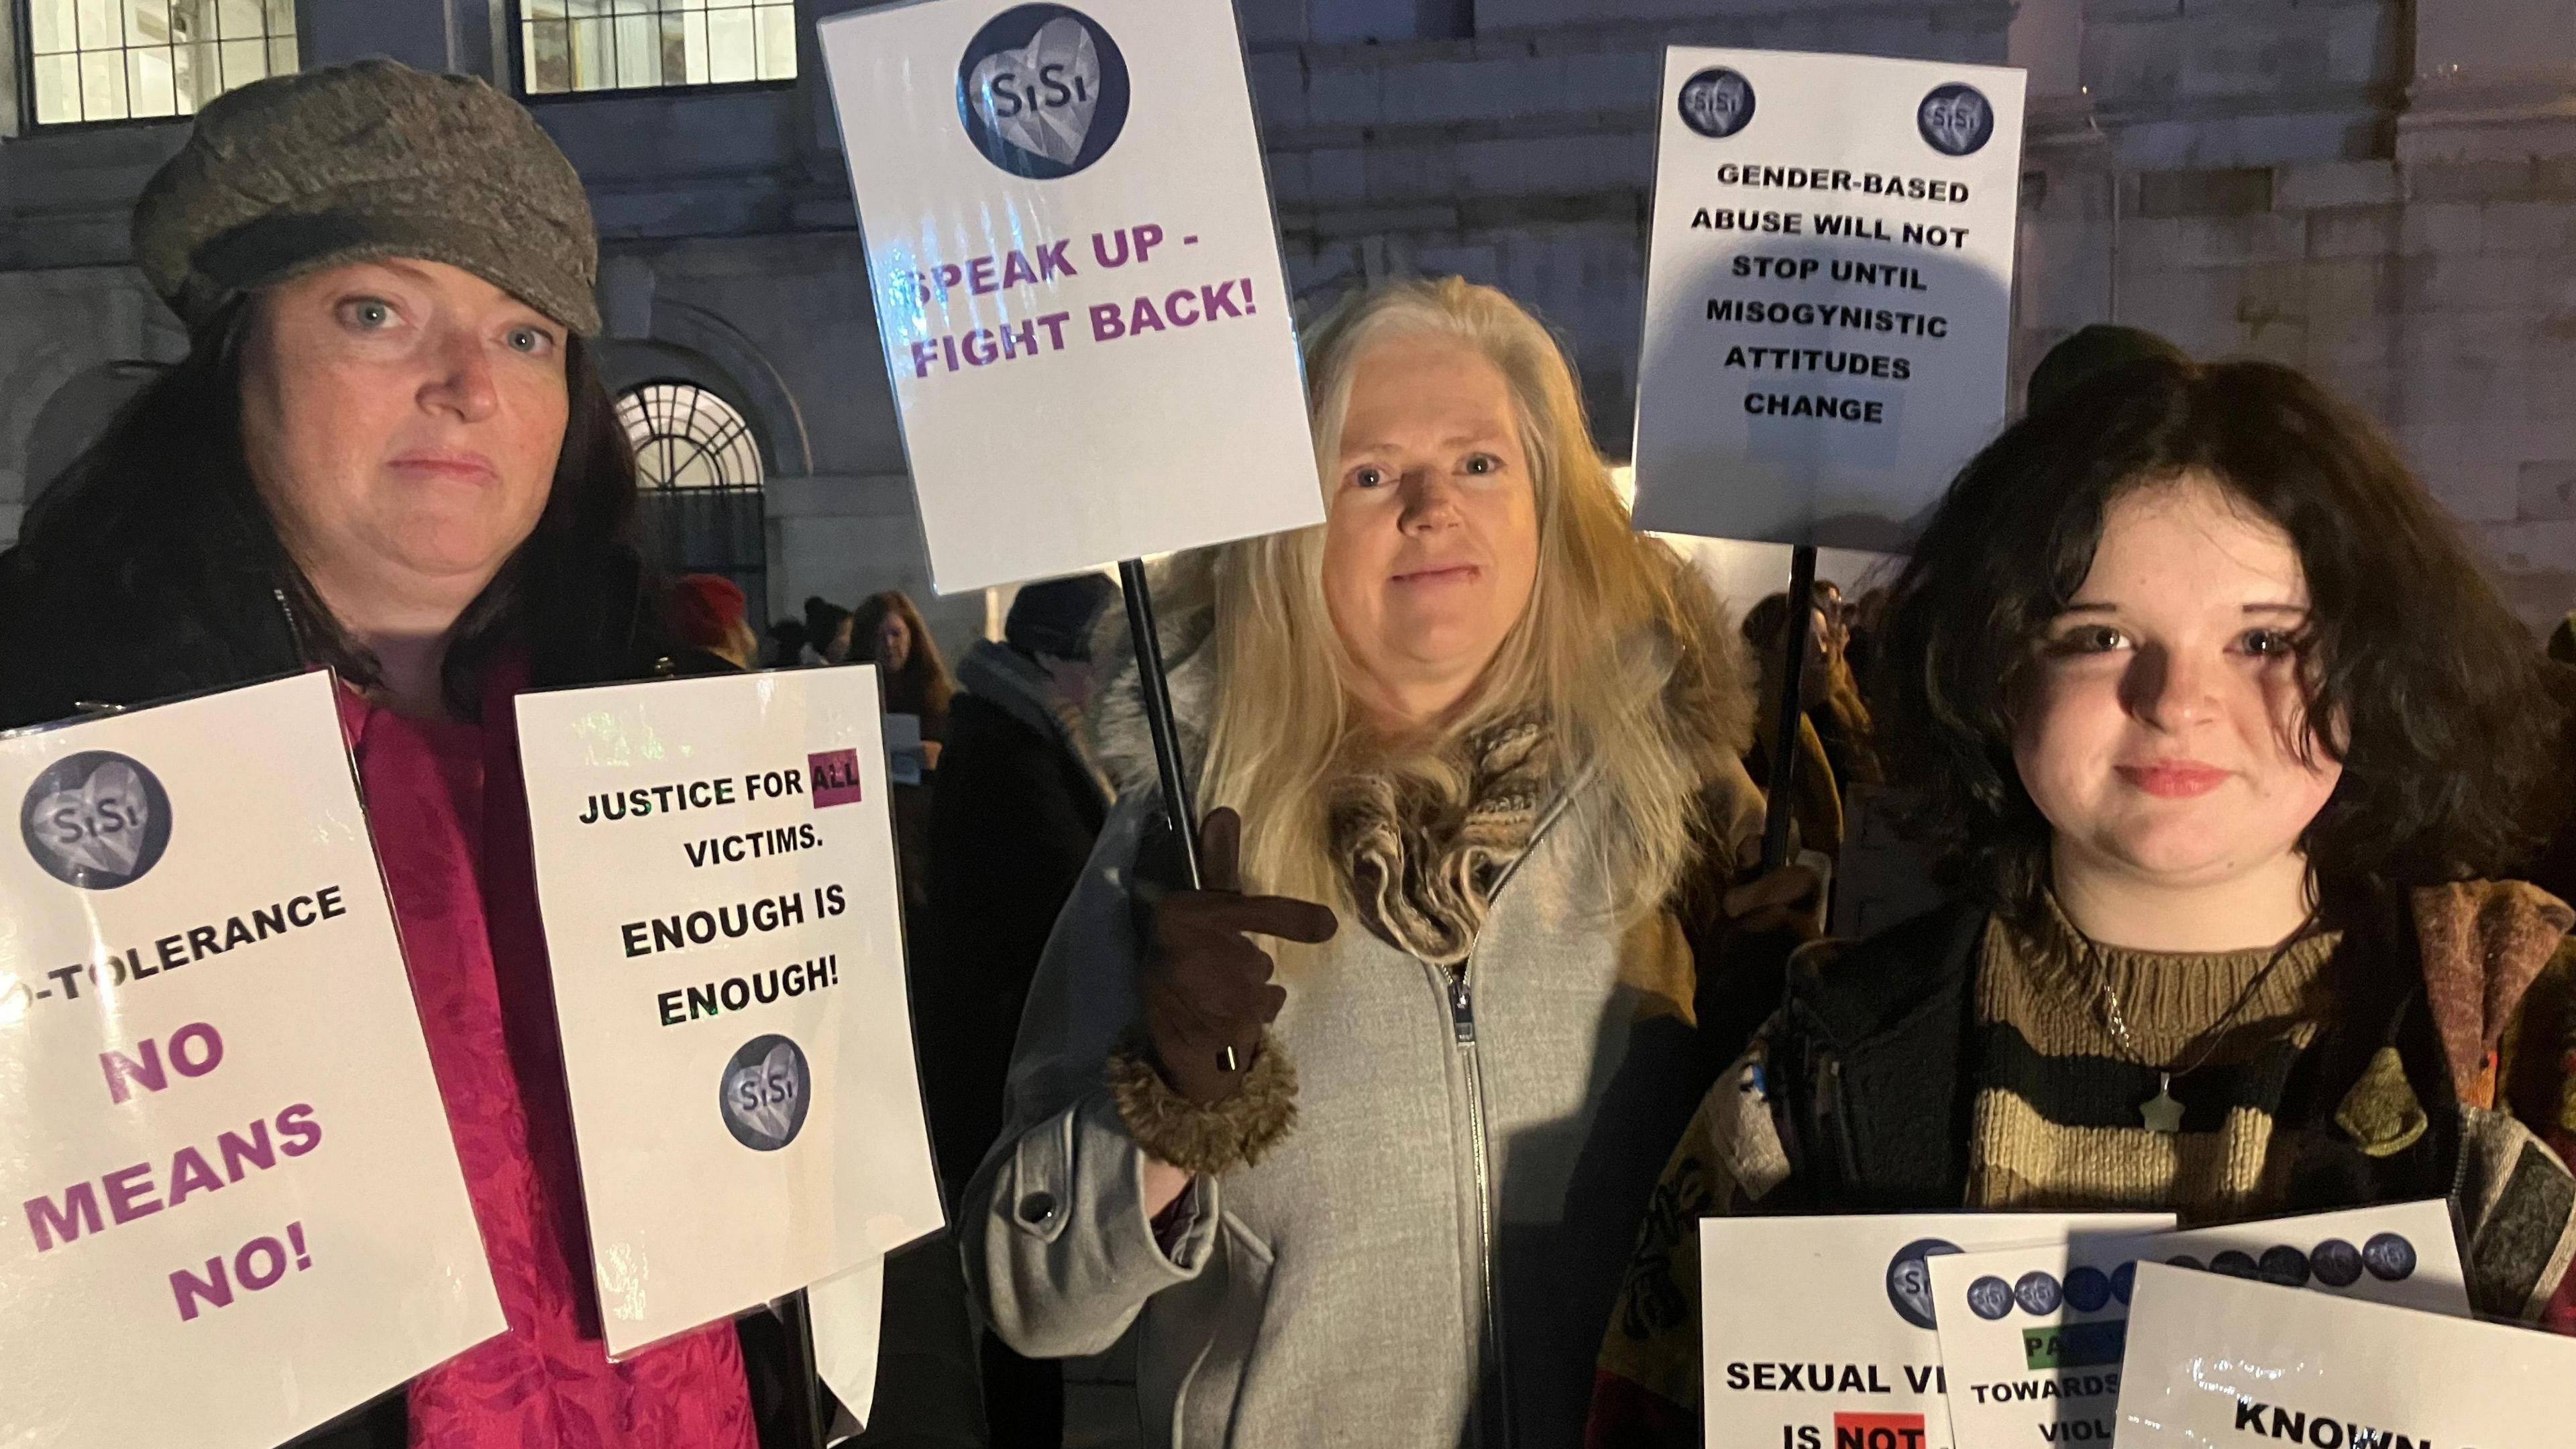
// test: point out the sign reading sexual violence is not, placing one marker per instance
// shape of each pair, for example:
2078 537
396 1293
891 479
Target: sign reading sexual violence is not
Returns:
1077 276
230 1207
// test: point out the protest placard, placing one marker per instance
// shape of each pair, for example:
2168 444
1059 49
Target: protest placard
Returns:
1077 278
1828 292
230 1207
2216 1361
2403 1254
716 869
2033 1337
1818 1332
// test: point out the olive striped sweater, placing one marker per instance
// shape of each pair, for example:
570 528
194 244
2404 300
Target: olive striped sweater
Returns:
2268 1125
2057 1119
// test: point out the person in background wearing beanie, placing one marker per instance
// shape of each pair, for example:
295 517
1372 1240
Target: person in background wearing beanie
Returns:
387 451
2089 352
1018 808
712 625
828 630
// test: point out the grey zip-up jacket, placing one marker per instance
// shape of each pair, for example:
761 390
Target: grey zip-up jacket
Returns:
1430 1257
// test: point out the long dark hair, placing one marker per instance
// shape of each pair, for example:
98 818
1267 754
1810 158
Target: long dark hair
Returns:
2446 732
924 674
165 502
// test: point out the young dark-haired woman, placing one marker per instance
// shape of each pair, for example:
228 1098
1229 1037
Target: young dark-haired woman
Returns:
2215 726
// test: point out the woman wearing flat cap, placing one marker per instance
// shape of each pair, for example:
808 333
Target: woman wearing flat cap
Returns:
387 451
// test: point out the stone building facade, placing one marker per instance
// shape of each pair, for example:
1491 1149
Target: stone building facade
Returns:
2379 191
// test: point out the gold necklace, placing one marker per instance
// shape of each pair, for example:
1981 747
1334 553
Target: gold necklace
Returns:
2162 1112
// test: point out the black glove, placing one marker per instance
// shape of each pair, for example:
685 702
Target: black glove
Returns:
1207 988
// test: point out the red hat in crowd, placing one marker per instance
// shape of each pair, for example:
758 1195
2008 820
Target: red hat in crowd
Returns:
706 609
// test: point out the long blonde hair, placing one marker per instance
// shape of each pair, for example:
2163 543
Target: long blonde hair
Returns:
1622 652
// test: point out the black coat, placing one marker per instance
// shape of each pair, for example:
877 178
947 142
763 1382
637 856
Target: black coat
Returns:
1011 827
78 630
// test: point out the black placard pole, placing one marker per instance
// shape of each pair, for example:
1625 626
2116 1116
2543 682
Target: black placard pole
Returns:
810 1426
1784 741
1157 689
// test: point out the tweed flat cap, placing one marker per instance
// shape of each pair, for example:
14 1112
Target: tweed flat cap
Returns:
293 174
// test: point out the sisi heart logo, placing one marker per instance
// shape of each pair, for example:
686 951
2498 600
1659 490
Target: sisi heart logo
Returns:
1909 1280
1717 102
1956 120
1043 91
767 1090
96 820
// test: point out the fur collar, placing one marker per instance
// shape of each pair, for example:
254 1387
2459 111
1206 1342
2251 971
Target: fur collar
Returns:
1185 615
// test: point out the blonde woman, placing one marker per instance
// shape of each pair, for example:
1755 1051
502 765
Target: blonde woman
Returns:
1384 1196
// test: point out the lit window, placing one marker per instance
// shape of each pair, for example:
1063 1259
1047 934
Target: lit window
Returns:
619 45
127 60
687 437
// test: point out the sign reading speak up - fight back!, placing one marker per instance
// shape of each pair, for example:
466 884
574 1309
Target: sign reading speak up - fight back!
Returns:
716 867
230 1207
2217 1362
1829 295
1818 1332
1077 277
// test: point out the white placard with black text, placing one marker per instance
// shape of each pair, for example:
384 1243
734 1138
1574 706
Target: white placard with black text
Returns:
1817 1332
716 868
2219 1361
2404 1254
1828 292
2034 1337
230 1206
1077 278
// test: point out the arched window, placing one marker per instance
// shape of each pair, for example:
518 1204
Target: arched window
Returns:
687 437
698 476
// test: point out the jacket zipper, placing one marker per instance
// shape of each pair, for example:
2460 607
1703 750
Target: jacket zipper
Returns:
1462 1026
294 628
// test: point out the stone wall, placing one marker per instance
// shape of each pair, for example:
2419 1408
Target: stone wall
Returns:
2381 192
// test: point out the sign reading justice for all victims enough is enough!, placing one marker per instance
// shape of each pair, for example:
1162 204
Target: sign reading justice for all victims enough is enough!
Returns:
1077 275
716 866
1828 294
230 1206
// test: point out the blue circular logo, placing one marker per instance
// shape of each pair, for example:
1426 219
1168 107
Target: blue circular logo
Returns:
2337 1263
1956 120
767 1091
1990 1298
2390 1258
2088 1289
2124 1281
2285 1266
2235 1265
96 820
2038 1292
1717 102
1043 91
1909 1281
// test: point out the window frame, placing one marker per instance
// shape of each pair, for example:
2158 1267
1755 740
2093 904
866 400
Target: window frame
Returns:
517 38
750 431
22 54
